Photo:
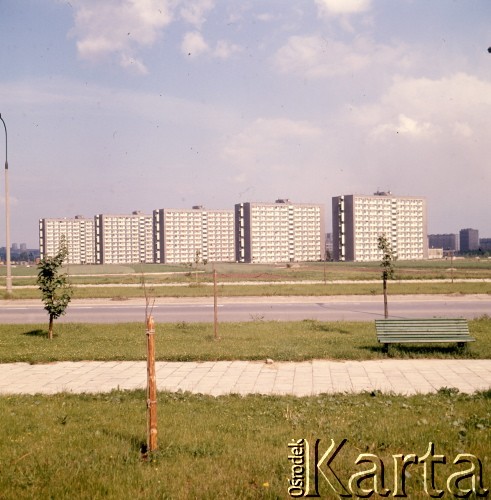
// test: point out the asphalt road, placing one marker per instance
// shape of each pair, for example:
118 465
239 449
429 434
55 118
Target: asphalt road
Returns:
251 309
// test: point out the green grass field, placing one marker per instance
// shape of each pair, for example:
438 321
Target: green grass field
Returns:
255 340
110 281
269 290
231 447
421 269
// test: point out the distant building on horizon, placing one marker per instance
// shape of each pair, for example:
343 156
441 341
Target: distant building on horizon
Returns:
359 220
279 232
447 242
469 240
435 253
485 244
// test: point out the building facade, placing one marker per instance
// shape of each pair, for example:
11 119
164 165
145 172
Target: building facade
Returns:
358 221
469 240
279 232
123 239
485 244
178 234
449 242
328 254
78 234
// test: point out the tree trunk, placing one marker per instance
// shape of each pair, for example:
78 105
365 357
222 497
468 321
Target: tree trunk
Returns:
50 329
386 307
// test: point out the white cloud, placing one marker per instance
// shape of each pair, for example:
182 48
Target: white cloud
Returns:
193 44
225 50
194 12
458 94
133 64
455 106
96 46
462 129
336 7
271 143
406 126
119 27
318 57
265 17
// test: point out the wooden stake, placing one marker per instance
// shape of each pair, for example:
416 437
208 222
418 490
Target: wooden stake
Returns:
325 277
451 264
215 305
151 387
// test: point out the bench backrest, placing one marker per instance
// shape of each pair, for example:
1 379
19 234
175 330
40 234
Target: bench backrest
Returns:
433 325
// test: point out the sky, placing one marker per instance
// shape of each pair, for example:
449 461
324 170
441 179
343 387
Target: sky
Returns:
121 105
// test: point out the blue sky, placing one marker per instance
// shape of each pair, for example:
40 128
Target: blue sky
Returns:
120 105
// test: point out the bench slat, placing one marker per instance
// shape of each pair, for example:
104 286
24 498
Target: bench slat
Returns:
423 330
400 338
458 331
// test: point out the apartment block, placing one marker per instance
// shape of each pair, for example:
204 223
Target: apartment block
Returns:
279 232
469 240
180 233
449 242
123 239
485 244
78 234
358 221
328 253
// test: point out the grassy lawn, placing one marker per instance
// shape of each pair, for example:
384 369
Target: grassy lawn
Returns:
269 290
231 447
161 273
109 281
256 340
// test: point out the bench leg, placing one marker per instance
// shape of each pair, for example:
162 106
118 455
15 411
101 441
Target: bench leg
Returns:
460 345
385 348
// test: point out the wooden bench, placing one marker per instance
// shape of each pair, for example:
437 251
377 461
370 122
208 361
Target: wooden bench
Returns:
399 331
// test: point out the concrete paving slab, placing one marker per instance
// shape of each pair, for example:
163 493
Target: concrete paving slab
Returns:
244 377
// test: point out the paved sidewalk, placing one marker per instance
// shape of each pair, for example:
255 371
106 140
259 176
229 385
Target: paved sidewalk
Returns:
247 377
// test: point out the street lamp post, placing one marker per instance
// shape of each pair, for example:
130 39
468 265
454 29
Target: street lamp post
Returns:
7 217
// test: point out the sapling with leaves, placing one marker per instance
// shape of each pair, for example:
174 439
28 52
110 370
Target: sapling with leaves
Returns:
197 261
54 285
387 265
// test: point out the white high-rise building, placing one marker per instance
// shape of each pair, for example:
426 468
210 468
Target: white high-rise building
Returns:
358 221
123 239
78 234
279 232
180 233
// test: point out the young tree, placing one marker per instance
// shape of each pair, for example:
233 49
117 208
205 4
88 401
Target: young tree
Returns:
197 261
54 286
387 266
